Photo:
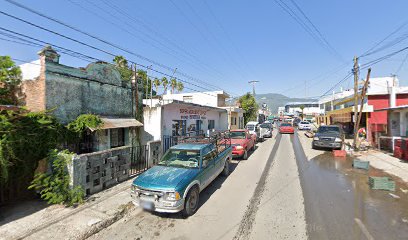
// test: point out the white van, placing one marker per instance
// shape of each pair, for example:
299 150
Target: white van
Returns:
252 128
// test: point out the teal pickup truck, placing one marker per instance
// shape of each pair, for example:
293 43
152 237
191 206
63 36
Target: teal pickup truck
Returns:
175 183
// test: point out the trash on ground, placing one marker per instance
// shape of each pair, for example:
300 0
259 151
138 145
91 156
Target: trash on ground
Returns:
381 183
339 153
394 196
309 134
404 190
361 164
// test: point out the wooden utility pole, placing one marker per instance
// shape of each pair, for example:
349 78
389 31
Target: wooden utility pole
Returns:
355 71
363 94
136 92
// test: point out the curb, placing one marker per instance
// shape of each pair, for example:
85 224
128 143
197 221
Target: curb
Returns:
125 209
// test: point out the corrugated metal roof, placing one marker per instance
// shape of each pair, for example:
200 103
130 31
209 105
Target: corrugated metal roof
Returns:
392 108
109 123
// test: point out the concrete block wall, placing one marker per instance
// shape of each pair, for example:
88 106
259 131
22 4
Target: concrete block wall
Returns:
155 152
100 170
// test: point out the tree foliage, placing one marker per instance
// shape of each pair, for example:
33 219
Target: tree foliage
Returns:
250 106
10 79
180 87
123 67
26 138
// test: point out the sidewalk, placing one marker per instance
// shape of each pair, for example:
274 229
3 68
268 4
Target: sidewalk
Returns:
59 222
385 162
378 159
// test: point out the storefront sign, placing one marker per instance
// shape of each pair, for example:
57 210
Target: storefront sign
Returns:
192 114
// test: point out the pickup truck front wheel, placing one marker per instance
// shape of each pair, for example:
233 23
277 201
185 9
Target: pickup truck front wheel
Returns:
191 202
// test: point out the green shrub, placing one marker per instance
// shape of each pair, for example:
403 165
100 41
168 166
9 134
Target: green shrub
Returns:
54 187
84 121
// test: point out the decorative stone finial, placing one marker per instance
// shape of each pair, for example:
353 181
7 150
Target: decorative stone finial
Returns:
50 54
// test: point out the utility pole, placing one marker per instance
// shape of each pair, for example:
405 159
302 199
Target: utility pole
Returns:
147 84
355 71
135 86
363 94
253 86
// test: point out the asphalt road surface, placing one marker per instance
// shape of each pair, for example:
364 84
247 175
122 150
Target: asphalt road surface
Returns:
285 190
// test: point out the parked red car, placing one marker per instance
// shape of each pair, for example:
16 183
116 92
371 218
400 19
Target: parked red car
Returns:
286 128
242 142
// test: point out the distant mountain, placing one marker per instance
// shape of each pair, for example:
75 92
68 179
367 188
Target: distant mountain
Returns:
275 100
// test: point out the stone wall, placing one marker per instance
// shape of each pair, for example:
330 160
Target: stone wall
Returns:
68 91
100 170
97 89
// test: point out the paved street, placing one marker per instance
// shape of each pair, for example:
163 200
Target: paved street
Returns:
267 197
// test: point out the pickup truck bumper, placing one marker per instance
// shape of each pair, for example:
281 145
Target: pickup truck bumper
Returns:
323 144
159 206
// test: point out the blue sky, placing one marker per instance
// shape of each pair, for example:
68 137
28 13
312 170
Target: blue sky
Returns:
225 43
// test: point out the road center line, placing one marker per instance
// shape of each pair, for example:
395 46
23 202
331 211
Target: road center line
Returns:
245 227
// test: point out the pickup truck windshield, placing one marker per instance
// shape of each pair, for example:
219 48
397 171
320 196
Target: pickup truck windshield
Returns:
325 129
237 135
181 158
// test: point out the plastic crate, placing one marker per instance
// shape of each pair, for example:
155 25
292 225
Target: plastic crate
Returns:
361 164
381 183
398 152
339 153
398 143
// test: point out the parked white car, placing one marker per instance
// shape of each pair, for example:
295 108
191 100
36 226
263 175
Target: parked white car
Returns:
303 125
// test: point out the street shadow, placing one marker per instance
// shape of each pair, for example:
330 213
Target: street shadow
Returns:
205 195
13 211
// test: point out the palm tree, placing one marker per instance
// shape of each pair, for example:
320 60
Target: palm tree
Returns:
180 87
164 83
173 85
302 107
121 61
156 83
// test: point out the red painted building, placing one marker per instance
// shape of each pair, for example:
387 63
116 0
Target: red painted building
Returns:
377 121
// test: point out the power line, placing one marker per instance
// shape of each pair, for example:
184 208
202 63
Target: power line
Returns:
227 35
77 41
103 41
369 51
226 52
150 76
90 59
316 29
402 64
122 12
305 27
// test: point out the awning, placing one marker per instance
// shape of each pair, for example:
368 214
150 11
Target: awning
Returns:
403 107
109 123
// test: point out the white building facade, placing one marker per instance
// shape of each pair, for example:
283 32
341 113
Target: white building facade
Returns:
178 118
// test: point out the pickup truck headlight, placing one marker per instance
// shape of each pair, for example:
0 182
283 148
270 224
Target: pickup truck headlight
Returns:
134 189
172 196
338 140
316 138
239 147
